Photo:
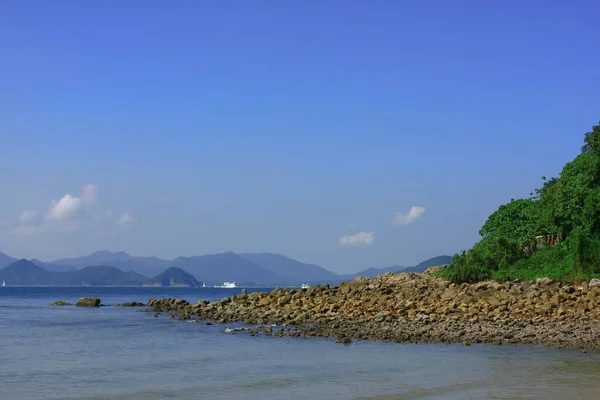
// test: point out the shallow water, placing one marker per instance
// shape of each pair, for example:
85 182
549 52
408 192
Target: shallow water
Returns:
118 353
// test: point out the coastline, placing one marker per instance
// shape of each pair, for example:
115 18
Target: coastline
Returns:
413 308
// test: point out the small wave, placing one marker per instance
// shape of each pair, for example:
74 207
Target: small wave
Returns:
234 330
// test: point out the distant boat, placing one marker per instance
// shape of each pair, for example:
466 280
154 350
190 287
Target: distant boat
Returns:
305 286
227 285
203 284
3 283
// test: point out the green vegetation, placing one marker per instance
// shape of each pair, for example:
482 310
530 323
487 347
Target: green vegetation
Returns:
554 233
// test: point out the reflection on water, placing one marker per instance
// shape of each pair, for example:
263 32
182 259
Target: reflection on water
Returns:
118 353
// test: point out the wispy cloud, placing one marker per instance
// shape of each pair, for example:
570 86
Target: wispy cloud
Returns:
125 219
414 214
90 194
358 239
29 217
67 214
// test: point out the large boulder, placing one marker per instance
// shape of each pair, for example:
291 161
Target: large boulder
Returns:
595 282
88 302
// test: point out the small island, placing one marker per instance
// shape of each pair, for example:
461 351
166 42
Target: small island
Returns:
174 277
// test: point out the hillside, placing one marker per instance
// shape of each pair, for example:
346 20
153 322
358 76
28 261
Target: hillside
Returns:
174 276
24 272
554 233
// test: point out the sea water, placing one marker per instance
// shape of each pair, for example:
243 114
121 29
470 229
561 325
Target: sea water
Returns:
117 353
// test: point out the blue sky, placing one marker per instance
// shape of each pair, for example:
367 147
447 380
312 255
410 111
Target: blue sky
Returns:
284 127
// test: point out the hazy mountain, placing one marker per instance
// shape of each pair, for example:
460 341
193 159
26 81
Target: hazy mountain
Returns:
52 267
432 262
100 275
25 272
262 269
295 271
174 277
6 260
248 268
218 268
147 266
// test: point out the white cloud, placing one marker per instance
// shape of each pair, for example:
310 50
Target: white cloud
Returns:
353 225
415 213
68 206
68 214
29 217
64 209
90 194
358 239
124 219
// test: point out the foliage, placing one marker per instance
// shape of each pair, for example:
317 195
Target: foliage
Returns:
568 205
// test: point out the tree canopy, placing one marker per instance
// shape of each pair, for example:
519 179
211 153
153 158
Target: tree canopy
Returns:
567 207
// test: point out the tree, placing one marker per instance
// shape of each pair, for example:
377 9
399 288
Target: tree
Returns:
568 205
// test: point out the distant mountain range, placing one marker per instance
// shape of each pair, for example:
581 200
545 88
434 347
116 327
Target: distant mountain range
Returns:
25 272
260 269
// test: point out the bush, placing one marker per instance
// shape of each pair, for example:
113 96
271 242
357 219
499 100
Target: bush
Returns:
568 205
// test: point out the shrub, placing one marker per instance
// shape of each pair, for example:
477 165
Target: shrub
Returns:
568 205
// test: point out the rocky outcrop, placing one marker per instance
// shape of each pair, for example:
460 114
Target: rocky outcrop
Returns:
542 241
414 308
131 304
60 303
88 302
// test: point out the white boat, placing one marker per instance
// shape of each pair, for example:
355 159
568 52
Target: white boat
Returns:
203 284
3 283
228 285
305 286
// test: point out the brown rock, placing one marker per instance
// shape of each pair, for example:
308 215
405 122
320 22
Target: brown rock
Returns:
88 302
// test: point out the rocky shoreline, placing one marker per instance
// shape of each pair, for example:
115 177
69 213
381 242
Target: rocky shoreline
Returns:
414 308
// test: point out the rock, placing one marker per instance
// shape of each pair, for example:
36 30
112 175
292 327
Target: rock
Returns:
413 308
264 301
88 302
594 282
60 303
543 281
283 301
131 304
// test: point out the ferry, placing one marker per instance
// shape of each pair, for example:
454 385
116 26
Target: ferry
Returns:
227 285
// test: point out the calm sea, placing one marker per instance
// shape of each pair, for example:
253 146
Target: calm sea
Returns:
118 353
